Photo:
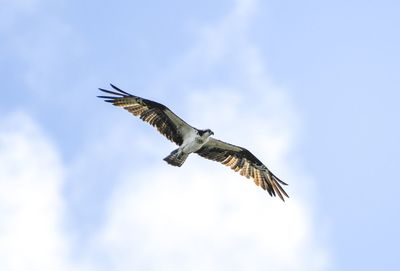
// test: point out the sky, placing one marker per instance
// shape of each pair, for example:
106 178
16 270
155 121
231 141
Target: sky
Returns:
310 87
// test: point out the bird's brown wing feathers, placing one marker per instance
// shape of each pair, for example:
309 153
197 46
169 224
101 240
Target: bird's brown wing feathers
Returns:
156 114
244 162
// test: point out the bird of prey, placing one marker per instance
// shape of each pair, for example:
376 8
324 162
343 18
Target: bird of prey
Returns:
192 140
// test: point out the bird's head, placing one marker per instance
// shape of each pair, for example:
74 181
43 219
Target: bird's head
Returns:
206 133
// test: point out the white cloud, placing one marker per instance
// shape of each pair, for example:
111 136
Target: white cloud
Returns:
31 176
204 216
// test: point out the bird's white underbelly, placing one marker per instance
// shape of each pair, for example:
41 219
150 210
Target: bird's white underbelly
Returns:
193 143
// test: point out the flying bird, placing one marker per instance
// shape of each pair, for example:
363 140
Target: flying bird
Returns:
192 140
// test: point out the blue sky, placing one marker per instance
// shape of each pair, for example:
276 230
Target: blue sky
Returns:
310 87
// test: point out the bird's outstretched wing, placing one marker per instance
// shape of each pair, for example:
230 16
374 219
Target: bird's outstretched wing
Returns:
156 114
240 159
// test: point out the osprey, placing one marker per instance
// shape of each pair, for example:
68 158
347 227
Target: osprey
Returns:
192 140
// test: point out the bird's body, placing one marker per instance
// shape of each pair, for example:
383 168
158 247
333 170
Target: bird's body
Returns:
192 140
195 141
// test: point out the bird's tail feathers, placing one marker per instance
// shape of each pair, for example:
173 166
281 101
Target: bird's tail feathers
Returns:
176 158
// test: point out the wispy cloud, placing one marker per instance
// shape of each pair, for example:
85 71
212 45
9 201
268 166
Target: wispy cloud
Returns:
31 177
202 216
41 46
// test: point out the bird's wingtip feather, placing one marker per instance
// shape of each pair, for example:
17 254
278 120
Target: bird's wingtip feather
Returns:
120 90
